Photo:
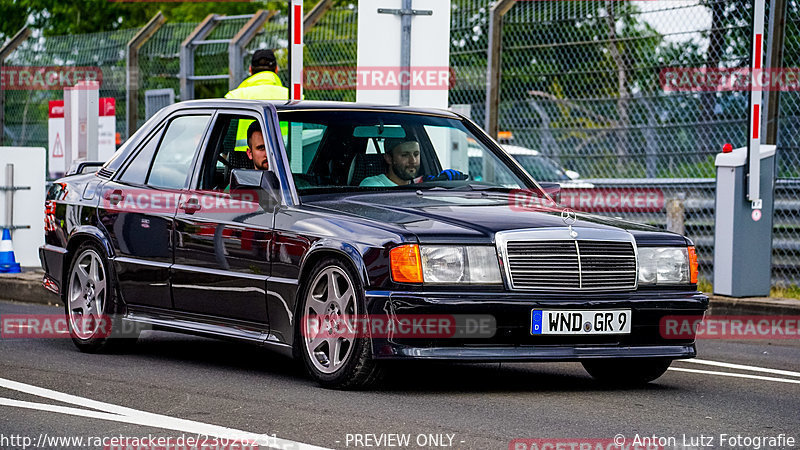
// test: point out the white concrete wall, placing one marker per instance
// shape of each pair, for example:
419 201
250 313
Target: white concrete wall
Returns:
29 170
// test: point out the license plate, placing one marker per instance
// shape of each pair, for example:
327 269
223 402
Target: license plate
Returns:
617 321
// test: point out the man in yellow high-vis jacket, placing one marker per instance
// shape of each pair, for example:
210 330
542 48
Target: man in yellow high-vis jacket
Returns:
263 84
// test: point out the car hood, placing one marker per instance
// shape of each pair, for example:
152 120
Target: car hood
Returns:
442 216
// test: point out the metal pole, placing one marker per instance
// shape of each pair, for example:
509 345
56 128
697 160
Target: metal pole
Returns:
239 42
132 70
776 35
5 52
493 70
754 139
405 51
187 55
10 196
316 14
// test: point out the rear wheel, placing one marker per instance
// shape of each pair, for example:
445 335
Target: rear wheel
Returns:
626 372
333 351
91 306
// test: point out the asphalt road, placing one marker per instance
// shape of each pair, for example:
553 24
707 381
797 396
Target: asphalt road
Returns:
178 387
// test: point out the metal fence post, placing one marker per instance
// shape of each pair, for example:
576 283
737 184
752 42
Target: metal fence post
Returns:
316 14
132 70
493 65
676 215
187 55
239 42
776 36
5 52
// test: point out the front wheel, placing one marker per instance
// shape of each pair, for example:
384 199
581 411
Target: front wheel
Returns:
626 372
334 352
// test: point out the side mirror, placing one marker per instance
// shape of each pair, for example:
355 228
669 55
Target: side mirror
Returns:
572 174
265 182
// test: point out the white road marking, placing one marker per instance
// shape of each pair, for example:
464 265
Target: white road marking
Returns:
735 375
787 373
108 411
71 411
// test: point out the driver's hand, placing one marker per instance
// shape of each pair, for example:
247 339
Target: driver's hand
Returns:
447 175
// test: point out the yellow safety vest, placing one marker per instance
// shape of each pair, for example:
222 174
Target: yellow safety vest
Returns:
261 86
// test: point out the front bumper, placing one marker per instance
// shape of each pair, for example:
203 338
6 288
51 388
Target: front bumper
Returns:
512 339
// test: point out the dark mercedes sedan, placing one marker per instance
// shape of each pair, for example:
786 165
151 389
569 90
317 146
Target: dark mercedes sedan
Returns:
345 235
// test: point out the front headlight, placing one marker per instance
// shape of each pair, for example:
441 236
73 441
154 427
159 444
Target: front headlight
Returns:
448 264
445 264
667 265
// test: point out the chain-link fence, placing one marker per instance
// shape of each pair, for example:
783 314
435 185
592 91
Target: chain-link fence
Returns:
26 109
786 229
582 83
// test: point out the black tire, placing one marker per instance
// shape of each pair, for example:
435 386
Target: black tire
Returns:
626 372
356 369
94 313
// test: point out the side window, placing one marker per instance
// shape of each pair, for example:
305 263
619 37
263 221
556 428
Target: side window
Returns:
302 141
227 150
174 156
136 172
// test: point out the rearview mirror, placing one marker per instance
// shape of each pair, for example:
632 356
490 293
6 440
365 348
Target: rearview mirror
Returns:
380 131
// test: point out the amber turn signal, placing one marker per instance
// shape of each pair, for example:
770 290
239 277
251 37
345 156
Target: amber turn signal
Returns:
692 265
406 264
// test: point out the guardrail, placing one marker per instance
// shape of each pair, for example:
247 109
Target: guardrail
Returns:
697 196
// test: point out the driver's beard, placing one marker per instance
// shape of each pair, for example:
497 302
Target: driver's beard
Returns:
402 174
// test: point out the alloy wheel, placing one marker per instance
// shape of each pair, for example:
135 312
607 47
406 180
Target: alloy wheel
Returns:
329 336
87 294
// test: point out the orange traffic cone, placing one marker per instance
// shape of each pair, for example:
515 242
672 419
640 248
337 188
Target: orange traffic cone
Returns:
8 263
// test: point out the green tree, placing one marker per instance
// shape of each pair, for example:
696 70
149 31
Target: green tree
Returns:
60 17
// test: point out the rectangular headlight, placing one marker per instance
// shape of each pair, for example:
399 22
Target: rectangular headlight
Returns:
451 264
664 265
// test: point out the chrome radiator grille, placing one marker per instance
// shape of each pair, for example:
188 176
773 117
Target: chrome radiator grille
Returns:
571 264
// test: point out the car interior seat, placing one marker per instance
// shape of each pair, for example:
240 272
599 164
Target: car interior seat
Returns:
364 166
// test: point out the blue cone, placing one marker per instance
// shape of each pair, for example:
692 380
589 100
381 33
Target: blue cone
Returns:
8 263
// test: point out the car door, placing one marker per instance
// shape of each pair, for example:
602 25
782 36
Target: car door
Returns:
138 208
222 261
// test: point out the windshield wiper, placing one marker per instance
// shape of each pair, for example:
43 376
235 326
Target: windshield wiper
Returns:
480 187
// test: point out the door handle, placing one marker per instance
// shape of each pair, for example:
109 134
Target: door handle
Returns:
191 206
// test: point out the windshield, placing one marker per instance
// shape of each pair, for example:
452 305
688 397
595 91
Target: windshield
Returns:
541 168
377 150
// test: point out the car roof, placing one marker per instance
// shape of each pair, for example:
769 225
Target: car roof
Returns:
312 105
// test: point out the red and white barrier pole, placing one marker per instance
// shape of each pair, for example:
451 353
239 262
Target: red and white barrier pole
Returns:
296 50
756 67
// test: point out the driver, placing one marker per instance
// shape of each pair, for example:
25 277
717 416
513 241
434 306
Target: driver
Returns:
402 157
256 150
